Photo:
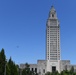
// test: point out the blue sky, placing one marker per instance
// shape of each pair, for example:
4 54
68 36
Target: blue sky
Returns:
23 25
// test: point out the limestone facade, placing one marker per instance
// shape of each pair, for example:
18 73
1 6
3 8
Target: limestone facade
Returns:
52 61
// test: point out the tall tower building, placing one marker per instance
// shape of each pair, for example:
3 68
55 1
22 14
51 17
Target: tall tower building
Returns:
52 36
52 62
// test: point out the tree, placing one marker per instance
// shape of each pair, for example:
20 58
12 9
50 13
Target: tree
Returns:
7 69
18 69
12 67
48 73
72 70
26 70
2 62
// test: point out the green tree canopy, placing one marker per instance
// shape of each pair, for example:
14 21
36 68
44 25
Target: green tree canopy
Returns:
2 62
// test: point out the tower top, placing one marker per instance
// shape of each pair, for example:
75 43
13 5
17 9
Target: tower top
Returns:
52 14
52 8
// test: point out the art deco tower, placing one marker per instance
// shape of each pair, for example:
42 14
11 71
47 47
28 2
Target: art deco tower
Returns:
52 36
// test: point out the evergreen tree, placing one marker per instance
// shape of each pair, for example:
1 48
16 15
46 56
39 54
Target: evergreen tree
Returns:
48 73
2 62
26 71
12 67
7 69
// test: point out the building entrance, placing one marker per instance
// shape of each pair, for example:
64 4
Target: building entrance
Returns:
53 68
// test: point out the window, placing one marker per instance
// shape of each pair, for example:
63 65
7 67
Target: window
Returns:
39 71
36 70
52 15
53 68
43 70
32 69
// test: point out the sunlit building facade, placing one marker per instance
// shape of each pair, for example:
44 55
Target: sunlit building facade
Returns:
53 60
52 36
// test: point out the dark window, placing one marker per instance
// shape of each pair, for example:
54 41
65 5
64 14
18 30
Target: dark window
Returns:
36 70
52 15
32 69
43 70
53 68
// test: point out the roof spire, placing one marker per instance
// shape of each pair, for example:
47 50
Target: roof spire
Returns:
52 14
52 8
